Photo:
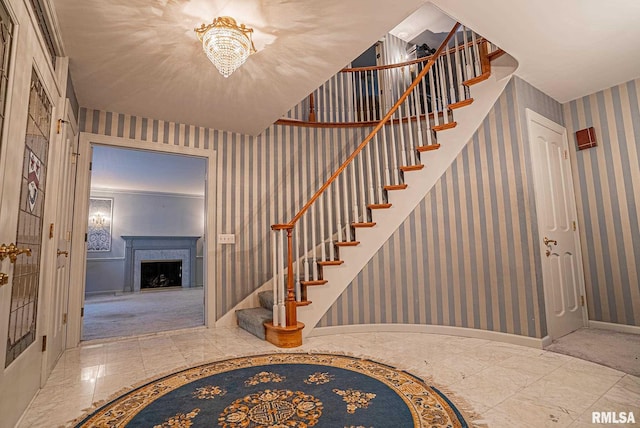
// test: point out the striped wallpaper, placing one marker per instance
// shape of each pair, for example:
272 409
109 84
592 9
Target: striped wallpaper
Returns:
607 183
475 262
467 255
281 167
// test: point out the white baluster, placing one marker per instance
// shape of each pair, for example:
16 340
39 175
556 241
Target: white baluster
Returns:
452 86
331 117
361 99
314 256
423 85
343 96
411 149
276 280
443 89
338 208
297 262
458 59
476 54
354 191
416 100
371 158
322 239
377 164
467 54
282 289
361 177
329 214
433 94
368 98
403 150
345 200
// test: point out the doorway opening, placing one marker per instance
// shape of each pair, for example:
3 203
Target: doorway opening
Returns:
144 268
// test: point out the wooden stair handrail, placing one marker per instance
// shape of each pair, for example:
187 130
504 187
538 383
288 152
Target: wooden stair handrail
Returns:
411 61
379 126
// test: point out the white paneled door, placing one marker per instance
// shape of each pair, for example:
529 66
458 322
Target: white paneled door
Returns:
557 229
58 294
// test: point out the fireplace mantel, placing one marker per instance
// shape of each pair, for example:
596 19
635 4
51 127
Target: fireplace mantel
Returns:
144 247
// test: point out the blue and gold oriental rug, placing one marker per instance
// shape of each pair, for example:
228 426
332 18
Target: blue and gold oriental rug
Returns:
283 390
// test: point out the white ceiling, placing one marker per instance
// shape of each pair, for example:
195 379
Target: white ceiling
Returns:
565 48
142 57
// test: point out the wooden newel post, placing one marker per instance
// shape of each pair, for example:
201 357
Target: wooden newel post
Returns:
312 108
484 57
290 305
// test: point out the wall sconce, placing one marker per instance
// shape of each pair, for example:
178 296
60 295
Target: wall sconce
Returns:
98 220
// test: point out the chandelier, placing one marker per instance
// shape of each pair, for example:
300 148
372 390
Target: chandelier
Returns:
226 44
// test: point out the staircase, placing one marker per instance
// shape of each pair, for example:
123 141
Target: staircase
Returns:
440 102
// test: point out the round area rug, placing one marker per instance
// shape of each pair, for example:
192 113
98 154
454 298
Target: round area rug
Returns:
282 390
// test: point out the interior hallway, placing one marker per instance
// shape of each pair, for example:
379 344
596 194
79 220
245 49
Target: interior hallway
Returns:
506 385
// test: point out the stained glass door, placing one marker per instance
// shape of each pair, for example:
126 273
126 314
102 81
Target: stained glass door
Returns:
26 270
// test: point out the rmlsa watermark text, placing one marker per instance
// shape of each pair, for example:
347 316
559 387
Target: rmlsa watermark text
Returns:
613 418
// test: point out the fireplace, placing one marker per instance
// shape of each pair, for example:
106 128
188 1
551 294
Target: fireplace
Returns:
140 249
160 274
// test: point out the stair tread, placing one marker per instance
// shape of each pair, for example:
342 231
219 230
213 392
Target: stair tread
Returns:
477 79
428 148
347 244
330 262
313 282
303 303
460 104
367 224
411 168
445 126
396 187
378 206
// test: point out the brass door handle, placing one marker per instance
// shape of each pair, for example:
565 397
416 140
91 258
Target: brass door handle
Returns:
548 241
13 252
59 253
4 278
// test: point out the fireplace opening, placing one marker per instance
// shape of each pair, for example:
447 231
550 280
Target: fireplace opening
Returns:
160 274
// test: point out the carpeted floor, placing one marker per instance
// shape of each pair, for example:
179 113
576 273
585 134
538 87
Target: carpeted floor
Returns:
146 312
620 351
282 390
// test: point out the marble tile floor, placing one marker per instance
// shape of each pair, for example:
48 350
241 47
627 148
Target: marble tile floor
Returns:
504 385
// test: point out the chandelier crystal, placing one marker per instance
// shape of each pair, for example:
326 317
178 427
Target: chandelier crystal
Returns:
226 44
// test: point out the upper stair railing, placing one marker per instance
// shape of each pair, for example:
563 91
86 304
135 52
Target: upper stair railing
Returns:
425 93
360 95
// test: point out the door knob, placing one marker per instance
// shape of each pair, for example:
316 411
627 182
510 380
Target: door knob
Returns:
548 241
12 252
59 253
4 278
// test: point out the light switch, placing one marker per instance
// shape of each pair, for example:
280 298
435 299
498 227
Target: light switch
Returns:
226 238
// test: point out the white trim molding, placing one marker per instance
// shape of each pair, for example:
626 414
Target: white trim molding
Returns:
622 328
496 336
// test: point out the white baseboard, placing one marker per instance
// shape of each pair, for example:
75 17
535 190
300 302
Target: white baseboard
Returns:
495 336
622 328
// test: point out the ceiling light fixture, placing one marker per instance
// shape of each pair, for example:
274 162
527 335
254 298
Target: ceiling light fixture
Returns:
226 44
